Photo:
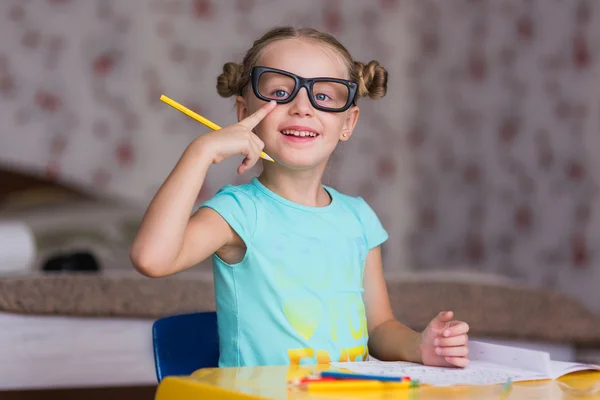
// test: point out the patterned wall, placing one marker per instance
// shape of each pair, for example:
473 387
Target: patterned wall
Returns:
483 154
506 140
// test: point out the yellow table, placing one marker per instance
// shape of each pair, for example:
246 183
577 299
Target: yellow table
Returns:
271 383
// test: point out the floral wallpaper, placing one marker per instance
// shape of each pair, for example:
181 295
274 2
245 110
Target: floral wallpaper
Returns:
506 140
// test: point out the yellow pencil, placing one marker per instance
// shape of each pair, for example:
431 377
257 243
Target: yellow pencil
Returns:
201 119
356 385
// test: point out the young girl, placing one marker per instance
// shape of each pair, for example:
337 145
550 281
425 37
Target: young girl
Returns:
297 265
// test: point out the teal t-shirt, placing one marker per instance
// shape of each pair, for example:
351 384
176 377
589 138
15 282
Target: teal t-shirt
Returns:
296 297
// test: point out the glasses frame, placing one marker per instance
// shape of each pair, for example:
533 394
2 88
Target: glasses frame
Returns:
300 83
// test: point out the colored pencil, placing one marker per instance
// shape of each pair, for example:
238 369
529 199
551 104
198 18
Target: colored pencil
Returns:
356 385
201 119
344 375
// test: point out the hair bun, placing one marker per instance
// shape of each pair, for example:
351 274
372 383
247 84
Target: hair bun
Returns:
372 79
230 82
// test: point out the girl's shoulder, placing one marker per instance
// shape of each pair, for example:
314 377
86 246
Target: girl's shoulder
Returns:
354 202
246 190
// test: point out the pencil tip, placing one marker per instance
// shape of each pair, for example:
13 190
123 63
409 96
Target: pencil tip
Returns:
268 157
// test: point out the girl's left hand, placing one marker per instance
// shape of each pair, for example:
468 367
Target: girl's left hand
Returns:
444 342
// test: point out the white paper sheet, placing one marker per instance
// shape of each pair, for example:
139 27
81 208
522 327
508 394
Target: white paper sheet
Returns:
477 373
560 368
489 364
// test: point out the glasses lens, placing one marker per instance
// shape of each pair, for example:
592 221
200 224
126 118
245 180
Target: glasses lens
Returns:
331 95
275 86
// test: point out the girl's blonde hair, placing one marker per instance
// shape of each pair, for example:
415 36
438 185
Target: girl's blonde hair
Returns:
371 77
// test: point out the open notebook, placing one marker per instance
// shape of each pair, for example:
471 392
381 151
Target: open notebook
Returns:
489 364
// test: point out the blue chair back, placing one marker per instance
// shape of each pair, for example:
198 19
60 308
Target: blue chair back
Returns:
184 343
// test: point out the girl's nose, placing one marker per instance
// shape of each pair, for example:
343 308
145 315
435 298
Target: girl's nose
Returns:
301 104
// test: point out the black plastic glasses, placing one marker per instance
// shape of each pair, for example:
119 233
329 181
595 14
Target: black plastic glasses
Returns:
325 94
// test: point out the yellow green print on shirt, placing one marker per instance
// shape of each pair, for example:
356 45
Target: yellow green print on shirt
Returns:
304 315
356 353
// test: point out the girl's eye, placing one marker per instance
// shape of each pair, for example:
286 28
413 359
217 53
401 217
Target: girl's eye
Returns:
280 93
322 97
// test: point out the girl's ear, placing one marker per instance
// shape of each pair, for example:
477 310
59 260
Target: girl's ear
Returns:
349 123
241 108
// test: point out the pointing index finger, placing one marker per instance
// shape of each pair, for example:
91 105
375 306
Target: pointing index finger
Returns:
251 121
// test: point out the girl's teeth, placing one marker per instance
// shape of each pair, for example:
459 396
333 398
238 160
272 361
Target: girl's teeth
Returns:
299 133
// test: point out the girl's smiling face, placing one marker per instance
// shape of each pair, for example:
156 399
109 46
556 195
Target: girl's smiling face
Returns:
296 134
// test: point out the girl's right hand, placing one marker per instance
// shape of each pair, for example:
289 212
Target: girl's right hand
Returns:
237 139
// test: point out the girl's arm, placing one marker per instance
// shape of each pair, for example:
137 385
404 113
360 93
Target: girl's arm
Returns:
442 343
168 240
389 340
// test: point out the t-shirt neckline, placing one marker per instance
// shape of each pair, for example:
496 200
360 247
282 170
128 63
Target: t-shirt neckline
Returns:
256 182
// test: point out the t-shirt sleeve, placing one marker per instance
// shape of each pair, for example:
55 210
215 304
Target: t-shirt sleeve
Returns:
375 233
237 208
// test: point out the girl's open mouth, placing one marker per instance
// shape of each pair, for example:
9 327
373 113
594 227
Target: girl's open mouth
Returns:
299 136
